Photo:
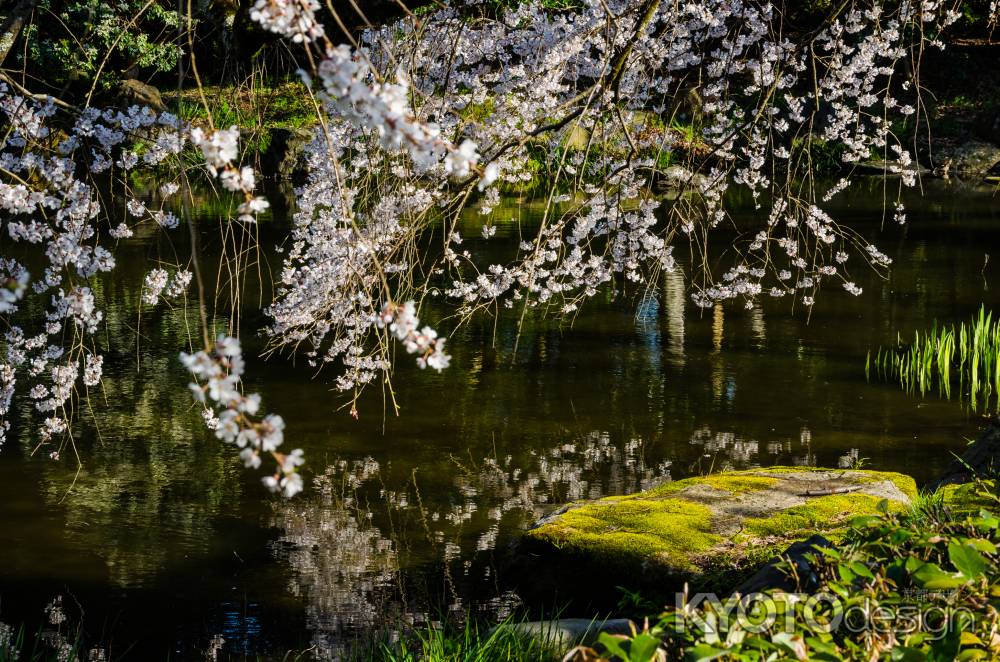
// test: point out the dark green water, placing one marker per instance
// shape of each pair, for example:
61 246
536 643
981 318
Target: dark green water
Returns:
163 540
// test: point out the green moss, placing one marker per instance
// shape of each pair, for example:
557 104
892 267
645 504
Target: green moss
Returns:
736 482
689 532
752 479
620 529
966 498
821 514
740 483
903 483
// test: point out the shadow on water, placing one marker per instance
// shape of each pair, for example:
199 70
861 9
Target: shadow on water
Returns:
165 541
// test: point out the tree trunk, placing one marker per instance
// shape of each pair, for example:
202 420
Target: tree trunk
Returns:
12 26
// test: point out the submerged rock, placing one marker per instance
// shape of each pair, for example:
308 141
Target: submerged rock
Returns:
982 457
699 529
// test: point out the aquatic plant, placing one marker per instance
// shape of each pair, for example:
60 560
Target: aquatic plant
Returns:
966 357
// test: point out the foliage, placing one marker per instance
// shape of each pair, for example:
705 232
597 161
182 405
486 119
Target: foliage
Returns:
402 150
918 586
77 41
449 642
825 156
256 107
969 353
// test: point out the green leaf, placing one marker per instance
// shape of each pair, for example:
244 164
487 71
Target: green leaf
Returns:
827 551
861 570
982 545
931 576
946 648
988 520
846 575
817 645
967 560
613 644
704 653
642 648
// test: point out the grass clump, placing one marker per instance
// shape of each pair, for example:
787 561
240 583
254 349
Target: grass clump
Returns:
448 641
967 356
257 108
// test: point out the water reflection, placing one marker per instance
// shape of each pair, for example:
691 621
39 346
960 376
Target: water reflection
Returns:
144 460
346 569
343 567
408 517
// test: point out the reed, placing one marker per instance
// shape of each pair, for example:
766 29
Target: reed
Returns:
968 354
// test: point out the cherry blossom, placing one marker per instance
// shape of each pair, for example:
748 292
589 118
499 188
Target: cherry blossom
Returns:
218 373
427 116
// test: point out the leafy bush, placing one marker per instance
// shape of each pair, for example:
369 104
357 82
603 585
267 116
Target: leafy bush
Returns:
921 586
77 41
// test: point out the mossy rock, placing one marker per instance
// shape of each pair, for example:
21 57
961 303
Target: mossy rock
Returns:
966 499
705 531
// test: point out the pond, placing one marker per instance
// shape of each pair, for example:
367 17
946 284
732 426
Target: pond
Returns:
163 541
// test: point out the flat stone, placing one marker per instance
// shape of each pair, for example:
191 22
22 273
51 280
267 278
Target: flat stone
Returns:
968 159
684 531
562 634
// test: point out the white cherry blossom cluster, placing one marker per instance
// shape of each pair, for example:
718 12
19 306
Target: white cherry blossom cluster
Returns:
328 296
49 202
159 284
385 109
293 19
235 416
221 149
522 87
402 322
